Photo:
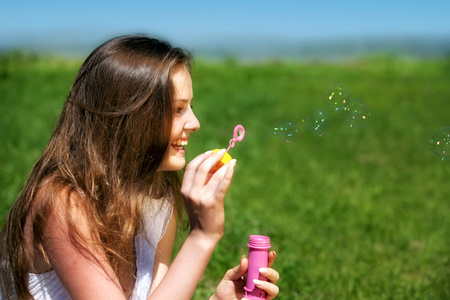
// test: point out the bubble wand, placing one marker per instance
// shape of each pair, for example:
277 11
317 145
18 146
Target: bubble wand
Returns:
238 136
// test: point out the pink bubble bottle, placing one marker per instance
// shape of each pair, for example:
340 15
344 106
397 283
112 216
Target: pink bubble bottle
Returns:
258 257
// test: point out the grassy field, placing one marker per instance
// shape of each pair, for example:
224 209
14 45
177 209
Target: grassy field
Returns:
358 213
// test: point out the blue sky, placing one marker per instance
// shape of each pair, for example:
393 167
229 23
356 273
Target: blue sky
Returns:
195 22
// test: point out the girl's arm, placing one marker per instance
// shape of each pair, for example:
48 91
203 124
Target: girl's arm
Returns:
164 253
204 202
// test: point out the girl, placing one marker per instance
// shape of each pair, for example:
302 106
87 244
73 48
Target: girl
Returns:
97 217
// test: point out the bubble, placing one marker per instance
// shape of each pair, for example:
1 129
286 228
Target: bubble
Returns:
319 121
357 113
440 143
337 97
286 130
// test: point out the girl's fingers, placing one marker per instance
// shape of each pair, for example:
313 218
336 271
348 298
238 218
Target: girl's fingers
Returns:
205 167
271 289
197 170
219 183
271 275
237 272
272 256
272 278
192 167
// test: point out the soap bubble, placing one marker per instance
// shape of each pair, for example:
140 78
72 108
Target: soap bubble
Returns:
356 113
337 97
440 143
286 130
319 121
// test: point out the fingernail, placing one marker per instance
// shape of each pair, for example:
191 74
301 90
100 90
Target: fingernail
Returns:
258 282
209 152
262 270
221 151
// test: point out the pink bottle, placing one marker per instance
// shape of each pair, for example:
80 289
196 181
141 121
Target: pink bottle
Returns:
258 257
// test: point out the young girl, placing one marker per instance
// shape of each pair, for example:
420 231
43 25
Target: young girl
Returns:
97 217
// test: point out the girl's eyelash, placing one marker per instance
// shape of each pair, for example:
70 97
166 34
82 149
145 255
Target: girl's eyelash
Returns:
180 109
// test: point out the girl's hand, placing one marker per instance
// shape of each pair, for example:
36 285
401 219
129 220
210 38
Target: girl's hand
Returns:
232 285
204 194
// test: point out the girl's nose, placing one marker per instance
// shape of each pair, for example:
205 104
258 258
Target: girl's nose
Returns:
192 123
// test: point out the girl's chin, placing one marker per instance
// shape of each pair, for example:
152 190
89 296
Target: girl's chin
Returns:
173 164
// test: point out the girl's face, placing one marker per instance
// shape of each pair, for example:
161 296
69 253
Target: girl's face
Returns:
184 121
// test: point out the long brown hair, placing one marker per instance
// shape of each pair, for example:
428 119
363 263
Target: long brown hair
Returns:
107 146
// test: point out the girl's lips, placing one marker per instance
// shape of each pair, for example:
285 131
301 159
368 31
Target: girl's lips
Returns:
179 144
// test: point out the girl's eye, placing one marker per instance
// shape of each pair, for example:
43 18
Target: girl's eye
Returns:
181 108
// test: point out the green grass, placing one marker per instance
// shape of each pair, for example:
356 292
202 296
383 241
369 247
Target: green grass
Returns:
359 213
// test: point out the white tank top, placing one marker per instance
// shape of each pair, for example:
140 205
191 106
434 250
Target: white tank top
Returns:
157 214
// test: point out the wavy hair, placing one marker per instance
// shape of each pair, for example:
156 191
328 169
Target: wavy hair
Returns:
107 147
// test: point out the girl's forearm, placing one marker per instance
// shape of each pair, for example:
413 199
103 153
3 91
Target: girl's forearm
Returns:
187 268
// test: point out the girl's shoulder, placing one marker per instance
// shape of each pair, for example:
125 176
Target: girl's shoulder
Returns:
51 204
